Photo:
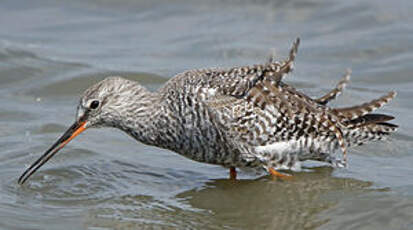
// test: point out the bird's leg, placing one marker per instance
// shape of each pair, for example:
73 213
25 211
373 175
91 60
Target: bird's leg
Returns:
277 174
232 173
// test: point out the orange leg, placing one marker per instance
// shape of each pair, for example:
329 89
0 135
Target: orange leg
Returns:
232 173
276 174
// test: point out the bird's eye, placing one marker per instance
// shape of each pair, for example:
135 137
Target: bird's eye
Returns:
94 104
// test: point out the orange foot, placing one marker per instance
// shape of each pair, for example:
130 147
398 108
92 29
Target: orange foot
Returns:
279 175
232 173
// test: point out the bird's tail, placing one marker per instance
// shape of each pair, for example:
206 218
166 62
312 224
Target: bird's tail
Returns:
362 125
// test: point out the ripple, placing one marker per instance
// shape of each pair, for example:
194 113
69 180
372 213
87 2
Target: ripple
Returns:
72 185
54 51
98 181
50 128
75 85
13 115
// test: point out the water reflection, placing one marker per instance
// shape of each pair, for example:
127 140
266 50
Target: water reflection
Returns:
245 204
263 203
50 52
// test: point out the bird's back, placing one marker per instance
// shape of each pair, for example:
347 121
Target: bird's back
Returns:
248 117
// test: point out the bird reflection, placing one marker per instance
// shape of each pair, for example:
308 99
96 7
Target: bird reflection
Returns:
263 203
267 204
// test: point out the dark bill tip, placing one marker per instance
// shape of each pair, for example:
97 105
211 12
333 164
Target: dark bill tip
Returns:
71 133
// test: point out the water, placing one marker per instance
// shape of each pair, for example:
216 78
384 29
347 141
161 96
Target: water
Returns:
50 51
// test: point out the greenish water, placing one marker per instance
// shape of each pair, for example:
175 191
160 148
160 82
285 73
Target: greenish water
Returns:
50 51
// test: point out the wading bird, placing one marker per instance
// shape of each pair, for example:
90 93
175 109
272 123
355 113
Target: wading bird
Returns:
242 117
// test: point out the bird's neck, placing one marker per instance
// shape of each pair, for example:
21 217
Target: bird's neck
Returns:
141 118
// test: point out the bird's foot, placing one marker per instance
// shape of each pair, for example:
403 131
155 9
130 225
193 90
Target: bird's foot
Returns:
278 175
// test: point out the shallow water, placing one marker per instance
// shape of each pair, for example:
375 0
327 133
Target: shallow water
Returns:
50 51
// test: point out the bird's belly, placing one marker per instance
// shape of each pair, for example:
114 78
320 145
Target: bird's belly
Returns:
203 155
200 147
289 154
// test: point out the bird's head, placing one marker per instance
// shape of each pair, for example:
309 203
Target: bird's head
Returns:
100 105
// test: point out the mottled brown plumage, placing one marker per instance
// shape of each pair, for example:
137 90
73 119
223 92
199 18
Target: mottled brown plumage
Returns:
242 117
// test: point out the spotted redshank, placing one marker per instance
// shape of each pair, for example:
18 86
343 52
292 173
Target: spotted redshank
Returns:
242 117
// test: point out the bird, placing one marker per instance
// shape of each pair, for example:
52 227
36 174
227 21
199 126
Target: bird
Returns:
244 117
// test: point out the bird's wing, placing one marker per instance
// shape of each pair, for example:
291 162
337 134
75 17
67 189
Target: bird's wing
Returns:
237 81
254 104
270 113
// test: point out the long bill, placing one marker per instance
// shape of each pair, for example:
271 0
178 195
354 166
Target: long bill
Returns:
71 133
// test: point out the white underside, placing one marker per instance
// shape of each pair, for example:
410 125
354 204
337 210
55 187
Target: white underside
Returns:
300 146
279 147
287 148
296 145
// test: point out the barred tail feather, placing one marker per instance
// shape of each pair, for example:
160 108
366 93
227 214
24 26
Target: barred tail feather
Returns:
336 91
370 119
362 125
370 132
351 113
279 70
370 127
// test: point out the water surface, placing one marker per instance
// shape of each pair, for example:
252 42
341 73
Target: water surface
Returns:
50 51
